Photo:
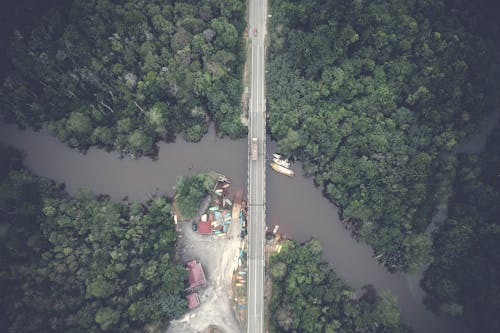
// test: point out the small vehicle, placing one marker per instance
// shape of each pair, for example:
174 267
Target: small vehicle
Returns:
194 226
255 149
255 32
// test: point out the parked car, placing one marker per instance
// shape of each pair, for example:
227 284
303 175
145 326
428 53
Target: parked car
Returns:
194 225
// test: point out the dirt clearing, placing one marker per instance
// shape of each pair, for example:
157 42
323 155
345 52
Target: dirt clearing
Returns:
219 258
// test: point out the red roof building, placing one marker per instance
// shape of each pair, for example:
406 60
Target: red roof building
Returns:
205 228
196 276
193 301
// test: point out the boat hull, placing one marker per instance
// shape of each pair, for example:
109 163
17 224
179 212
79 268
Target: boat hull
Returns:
280 169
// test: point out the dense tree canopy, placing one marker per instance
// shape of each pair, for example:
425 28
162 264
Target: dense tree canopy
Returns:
125 74
309 297
464 278
190 192
19 12
82 264
372 96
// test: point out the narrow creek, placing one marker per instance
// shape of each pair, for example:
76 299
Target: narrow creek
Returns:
294 203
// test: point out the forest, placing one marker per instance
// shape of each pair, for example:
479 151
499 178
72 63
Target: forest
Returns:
464 278
372 97
125 74
83 264
375 117
309 297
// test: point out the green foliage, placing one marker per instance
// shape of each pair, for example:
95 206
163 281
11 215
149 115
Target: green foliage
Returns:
107 317
83 264
195 133
371 95
309 297
140 142
126 74
464 278
191 190
100 288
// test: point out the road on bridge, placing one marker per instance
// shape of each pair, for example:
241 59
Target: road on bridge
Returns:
257 170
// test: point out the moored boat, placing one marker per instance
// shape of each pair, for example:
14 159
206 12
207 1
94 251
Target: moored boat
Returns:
283 163
281 169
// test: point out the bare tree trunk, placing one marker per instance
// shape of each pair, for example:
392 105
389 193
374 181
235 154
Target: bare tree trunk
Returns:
72 94
107 107
142 110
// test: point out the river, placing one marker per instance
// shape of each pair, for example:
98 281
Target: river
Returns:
138 179
294 203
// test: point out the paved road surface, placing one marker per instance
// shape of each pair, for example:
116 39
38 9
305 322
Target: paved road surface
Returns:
257 171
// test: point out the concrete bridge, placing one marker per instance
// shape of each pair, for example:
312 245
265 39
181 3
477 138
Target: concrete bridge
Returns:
257 168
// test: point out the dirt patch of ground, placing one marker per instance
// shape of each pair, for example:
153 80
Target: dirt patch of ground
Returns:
219 258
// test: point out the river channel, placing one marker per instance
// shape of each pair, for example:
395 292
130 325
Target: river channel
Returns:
294 203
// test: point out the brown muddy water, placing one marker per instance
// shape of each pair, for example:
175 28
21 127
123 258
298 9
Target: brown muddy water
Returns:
294 203
138 179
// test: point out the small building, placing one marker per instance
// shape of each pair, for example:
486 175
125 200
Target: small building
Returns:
196 275
205 227
193 301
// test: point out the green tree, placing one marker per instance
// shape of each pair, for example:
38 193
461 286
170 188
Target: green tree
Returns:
79 123
107 317
386 311
191 191
140 143
100 288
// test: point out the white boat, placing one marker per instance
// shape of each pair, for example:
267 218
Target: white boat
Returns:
278 159
283 163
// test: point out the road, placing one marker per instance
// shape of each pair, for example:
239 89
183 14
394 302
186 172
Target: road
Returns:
257 170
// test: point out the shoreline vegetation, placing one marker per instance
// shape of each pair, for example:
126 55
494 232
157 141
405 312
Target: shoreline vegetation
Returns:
125 75
84 263
309 297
